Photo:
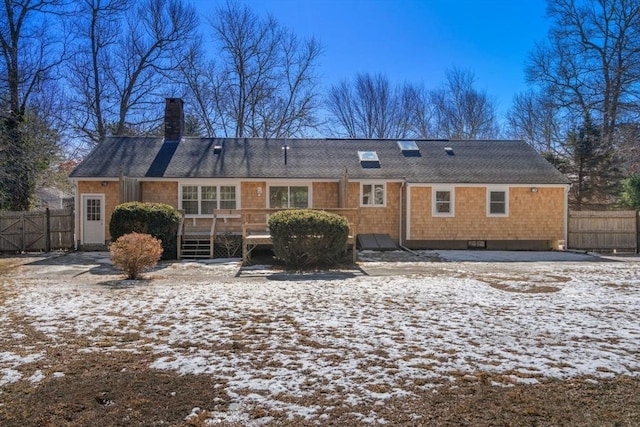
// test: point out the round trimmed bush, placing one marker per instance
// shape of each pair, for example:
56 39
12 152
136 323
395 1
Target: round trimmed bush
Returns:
157 219
303 237
134 253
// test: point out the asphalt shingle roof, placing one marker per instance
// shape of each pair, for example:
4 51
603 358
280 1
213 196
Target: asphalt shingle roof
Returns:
482 162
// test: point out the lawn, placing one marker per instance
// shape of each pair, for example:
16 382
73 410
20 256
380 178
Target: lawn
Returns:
398 341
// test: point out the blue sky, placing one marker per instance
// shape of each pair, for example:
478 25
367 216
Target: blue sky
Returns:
416 40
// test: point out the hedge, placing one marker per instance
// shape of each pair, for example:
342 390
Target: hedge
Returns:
157 219
305 237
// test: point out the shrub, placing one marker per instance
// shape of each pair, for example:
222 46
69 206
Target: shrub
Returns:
157 219
308 238
134 253
630 196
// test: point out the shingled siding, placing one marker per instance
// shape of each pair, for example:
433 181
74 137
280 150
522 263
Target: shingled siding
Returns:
249 197
380 220
533 216
160 192
325 195
111 191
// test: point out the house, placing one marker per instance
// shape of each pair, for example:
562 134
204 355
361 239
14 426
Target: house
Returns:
440 194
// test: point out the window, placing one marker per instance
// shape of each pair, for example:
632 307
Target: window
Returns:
443 202
190 199
372 194
209 199
497 202
284 197
93 209
204 199
227 197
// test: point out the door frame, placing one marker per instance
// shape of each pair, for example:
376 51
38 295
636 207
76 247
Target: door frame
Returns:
83 212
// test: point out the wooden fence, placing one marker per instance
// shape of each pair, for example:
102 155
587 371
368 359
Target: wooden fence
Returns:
604 231
36 231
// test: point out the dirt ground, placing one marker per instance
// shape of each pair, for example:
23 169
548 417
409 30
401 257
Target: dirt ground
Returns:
109 384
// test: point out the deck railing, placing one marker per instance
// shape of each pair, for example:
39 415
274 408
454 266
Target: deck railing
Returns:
252 225
255 231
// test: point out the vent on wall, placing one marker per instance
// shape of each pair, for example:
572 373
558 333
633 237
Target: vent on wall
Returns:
369 159
449 151
409 148
217 149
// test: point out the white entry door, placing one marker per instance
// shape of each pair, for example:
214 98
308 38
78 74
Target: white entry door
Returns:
93 219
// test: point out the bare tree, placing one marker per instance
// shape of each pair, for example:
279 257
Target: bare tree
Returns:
370 108
203 91
534 119
126 59
98 25
263 82
591 62
424 116
463 112
32 47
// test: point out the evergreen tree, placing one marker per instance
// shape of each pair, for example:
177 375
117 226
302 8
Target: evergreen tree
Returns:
594 167
630 196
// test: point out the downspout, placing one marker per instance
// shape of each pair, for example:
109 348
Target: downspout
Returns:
403 247
566 217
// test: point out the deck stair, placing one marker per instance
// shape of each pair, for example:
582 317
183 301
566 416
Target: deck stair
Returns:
197 236
195 248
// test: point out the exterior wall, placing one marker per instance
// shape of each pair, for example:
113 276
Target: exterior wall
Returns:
373 219
538 216
160 192
249 197
325 195
111 193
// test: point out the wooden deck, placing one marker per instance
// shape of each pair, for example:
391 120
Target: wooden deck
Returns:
251 224
255 230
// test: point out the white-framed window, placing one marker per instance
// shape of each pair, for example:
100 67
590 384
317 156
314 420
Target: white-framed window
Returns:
497 202
204 199
289 196
443 201
372 194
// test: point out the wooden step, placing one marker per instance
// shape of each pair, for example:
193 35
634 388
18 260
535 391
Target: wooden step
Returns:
195 248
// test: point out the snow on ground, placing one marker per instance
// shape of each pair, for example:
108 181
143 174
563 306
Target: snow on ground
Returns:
272 339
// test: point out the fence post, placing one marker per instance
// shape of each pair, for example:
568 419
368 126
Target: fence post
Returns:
47 230
23 245
638 232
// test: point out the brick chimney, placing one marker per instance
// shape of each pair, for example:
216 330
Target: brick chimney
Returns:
173 119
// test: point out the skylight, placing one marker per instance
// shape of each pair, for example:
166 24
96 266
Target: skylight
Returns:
408 146
368 156
369 159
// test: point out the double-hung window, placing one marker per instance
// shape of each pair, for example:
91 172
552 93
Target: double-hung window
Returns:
372 194
204 199
497 202
443 202
289 196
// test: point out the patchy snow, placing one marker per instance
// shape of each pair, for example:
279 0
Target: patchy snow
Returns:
37 377
273 338
10 361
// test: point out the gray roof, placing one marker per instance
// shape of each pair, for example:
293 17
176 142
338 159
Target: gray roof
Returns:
482 162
